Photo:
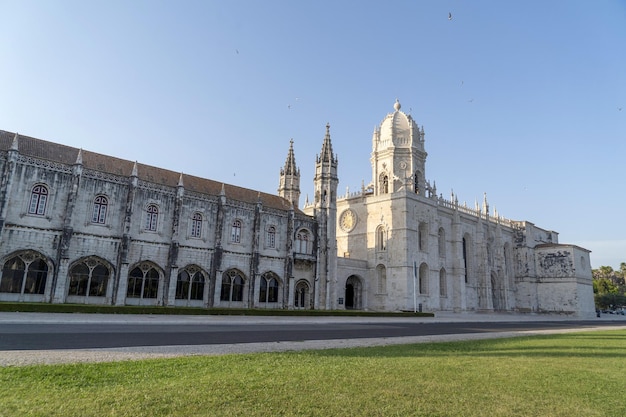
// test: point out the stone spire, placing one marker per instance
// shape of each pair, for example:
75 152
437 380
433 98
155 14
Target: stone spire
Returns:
327 149
289 182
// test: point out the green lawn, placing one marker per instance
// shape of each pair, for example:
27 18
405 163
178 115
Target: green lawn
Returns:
582 374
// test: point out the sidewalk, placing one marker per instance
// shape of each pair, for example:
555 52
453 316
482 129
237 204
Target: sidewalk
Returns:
18 317
22 358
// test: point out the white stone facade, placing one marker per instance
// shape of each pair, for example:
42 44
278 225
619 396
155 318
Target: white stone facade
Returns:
79 227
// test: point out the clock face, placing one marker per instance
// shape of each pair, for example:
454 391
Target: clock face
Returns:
347 221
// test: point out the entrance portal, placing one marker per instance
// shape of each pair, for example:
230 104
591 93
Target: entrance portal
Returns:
353 296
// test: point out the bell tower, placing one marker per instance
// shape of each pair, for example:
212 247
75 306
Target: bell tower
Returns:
325 183
289 183
398 157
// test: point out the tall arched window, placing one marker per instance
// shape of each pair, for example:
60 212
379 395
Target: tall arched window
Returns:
89 277
268 291
417 180
190 284
270 237
25 273
422 236
152 217
232 286
100 206
235 232
381 238
443 284
381 278
442 242
423 279
143 282
384 183
466 254
196 225
38 200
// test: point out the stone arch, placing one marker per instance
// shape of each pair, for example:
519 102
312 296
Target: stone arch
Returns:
192 285
26 275
88 277
353 293
144 283
270 286
234 288
302 295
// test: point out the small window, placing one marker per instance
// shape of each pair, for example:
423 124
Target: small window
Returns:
303 244
235 232
152 217
270 238
196 225
100 206
38 200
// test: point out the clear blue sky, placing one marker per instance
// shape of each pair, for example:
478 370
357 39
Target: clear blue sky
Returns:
520 99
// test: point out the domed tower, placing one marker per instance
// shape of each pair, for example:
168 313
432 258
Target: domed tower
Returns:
398 156
289 183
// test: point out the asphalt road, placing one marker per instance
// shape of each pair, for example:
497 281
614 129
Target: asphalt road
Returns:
85 335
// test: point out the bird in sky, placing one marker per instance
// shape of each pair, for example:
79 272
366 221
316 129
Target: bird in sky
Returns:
449 16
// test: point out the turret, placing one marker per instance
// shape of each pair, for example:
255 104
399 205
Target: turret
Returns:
289 183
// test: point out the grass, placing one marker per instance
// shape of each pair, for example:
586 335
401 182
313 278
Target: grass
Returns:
576 374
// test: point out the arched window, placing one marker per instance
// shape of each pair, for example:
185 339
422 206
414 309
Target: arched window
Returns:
232 286
303 244
152 217
99 214
443 288
89 277
143 282
384 183
422 236
268 291
381 278
38 200
423 279
235 232
381 238
270 237
196 225
190 284
417 180
442 242
25 273
466 255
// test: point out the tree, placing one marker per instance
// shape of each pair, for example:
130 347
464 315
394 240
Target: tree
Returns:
609 286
